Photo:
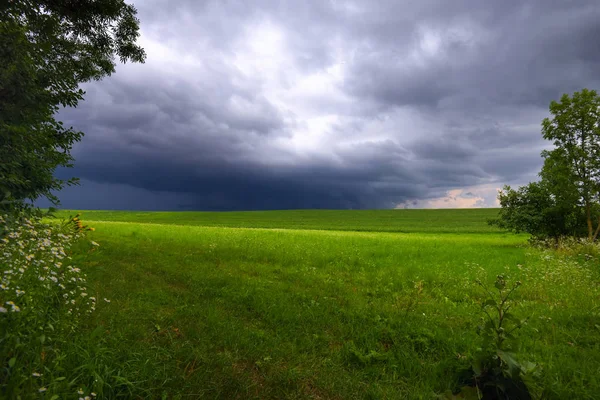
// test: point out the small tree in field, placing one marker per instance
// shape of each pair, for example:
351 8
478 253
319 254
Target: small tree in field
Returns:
565 202
47 48
575 131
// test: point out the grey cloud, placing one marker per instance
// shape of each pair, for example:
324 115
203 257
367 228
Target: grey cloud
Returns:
206 135
529 54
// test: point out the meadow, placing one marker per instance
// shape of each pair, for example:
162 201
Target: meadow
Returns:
328 304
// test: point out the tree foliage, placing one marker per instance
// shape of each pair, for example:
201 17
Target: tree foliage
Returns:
47 49
575 131
565 202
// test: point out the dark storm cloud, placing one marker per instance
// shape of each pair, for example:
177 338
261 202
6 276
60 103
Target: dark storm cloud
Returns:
518 53
338 104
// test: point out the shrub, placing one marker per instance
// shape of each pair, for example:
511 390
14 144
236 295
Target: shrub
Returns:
44 304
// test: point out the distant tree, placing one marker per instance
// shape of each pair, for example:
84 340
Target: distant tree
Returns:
47 48
565 202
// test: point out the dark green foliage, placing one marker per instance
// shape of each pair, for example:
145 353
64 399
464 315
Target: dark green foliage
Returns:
536 210
575 131
47 48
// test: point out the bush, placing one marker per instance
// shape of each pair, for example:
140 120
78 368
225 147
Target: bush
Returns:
44 306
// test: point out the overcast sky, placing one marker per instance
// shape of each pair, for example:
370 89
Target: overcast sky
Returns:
330 104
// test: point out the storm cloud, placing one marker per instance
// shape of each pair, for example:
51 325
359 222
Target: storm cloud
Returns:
329 104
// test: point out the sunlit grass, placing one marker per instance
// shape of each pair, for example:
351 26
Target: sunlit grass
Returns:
217 312
441 221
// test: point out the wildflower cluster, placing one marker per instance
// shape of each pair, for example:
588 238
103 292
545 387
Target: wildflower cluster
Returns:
37 270
43 296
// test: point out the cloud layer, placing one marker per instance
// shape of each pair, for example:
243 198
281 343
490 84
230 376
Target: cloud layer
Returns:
330 104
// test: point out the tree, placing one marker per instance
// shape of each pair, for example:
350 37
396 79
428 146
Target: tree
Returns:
534 209
565 202
48 48
575 131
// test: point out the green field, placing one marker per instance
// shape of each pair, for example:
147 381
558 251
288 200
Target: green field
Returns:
430 221
329 304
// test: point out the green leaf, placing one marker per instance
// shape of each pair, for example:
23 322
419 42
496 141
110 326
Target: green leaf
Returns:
60 378
54 397
514 368
490 302
12 361
511 317
97 332
528 367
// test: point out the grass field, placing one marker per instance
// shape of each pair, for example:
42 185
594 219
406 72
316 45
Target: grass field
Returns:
329 304
431 221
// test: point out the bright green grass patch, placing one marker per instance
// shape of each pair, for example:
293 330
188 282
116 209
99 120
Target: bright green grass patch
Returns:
209 312
440 221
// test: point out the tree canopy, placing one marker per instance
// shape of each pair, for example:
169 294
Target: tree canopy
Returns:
566 201
47 49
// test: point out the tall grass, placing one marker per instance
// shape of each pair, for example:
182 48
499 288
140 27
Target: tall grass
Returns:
45 346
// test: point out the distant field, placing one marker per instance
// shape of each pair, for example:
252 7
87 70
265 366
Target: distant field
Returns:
434 221
202 309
